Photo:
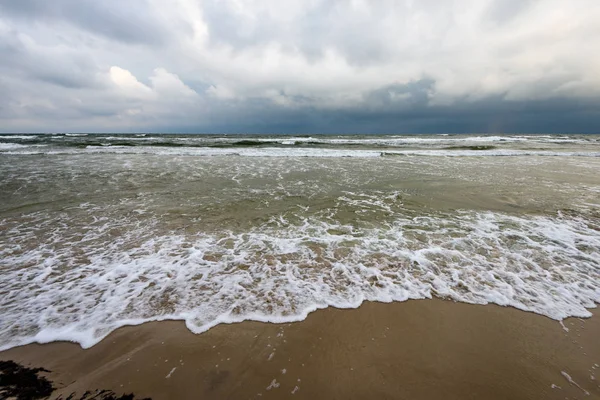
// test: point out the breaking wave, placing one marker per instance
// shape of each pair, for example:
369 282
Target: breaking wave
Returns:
280 271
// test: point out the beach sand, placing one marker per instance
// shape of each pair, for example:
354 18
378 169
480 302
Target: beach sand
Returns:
426 349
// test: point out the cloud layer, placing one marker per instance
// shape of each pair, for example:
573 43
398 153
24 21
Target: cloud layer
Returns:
300 66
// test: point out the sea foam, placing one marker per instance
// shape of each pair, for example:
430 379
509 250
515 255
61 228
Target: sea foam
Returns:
280 271
18 149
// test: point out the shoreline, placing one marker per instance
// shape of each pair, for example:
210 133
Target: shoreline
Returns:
419 349
130 324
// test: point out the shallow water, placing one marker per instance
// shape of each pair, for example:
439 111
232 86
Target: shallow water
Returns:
98 231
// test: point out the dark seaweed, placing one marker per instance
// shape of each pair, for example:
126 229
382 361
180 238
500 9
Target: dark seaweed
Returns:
244 143
470 148
100 395
248 143
22 383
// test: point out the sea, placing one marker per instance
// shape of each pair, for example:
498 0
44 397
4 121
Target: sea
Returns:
100 231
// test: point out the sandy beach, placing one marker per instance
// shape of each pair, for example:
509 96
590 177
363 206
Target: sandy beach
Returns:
429 349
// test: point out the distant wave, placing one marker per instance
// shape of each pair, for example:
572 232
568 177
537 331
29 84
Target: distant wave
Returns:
332 141
252 151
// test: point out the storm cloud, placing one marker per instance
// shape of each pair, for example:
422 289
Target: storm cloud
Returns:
299 66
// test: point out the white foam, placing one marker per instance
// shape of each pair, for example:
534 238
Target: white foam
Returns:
170 373
16 148
10 146
493 153
136 137
282 140
18 137
205 151
287 152
282 272
572 382
273 385
404 140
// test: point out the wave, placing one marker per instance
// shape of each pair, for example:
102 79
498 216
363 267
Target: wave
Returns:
281 271
382 141
11 146
492 153
251 150
19 137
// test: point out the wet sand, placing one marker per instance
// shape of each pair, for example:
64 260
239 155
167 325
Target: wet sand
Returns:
428 349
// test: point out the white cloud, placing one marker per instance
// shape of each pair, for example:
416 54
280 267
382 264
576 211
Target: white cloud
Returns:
166 84
461 45
128 84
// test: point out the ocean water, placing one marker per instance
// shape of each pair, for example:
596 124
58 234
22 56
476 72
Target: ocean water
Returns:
101 231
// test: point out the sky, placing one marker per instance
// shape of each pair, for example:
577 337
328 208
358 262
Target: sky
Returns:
300 66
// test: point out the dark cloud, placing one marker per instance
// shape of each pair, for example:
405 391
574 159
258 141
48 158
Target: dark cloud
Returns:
413 94
491 115
58 66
